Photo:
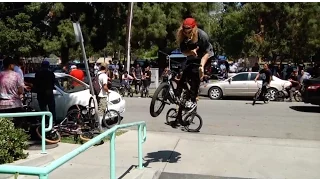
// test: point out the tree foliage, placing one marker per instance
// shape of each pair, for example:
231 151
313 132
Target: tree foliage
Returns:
258 29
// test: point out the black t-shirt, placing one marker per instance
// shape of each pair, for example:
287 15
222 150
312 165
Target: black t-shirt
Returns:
203 44
44 83
148 73
295 78
265 75
301 67
138 72
255 69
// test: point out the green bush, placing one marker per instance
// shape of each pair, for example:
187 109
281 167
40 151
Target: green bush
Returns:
13 142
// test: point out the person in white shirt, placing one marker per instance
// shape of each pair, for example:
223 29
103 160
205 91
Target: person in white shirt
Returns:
96 68
125 79
103 95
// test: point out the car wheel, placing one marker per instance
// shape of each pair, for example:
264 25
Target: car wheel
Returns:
271 94
215 93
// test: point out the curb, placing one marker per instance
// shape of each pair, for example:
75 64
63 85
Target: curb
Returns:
145 173
33 161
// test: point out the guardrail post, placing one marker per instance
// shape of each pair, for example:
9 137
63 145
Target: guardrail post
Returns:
140 146
43 176
112 156
43 134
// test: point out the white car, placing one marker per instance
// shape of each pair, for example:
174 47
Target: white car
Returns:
67 96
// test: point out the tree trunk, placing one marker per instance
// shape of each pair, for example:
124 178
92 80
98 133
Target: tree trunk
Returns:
64 55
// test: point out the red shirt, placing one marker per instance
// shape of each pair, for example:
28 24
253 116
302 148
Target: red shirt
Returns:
77 73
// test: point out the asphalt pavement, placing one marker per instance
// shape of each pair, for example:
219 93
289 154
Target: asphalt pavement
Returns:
285 120
276 140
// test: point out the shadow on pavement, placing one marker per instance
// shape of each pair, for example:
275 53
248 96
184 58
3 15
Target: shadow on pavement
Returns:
312 109
257 103
127 171
162 156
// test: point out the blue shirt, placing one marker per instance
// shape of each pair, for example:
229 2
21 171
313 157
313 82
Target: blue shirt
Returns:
18 70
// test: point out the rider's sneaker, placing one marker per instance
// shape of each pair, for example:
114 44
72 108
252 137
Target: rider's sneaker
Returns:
191 105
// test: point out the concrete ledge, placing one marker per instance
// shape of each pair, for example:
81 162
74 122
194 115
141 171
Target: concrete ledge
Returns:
145 173
34 161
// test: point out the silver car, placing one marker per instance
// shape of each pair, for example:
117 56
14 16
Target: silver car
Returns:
241 84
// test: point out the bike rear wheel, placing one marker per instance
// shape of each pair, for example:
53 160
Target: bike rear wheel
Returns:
191 120
171 115
111 118
159 95
280 96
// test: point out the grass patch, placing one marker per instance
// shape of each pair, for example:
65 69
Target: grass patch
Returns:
70 139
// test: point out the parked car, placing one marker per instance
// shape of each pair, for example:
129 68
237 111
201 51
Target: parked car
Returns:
241 84
68 96
311 93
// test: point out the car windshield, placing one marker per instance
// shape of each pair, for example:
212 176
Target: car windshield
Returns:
70 84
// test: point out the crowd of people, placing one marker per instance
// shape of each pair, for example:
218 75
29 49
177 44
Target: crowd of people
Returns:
13 86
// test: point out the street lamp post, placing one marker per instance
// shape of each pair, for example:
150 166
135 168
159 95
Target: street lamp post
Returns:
129 36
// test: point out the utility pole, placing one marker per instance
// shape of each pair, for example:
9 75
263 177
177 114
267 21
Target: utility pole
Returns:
129 24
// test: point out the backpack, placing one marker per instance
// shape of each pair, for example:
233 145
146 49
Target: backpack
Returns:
96 85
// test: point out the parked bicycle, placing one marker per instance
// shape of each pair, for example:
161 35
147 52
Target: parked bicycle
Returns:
88 124
265 97
144 92
32 125
283 94
126 89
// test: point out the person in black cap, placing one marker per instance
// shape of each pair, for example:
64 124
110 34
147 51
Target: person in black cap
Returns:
44 86
11 88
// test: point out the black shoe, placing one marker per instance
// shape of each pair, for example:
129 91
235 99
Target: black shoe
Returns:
174 124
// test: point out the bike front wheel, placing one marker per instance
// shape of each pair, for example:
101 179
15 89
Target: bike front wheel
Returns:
159 95
297 96
111 118
52 137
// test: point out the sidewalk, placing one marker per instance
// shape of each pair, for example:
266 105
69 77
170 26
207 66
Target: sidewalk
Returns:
191 155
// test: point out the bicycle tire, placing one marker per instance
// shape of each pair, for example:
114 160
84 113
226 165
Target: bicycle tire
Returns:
161 87
50 141
280 96
131 91
172 116
297 97
193 115
92 108
74 111
83 137
116 117
255 98
266 100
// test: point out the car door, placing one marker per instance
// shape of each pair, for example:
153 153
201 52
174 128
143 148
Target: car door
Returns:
253 86
238 85
60 102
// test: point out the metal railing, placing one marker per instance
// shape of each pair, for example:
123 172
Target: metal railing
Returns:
43 172
43 124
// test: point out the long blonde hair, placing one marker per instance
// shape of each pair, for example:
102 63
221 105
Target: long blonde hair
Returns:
181 37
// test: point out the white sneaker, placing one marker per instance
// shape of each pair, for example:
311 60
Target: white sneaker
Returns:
191 105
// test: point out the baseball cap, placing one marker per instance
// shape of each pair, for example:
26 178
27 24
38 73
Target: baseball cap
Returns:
191 22
73 67
45 63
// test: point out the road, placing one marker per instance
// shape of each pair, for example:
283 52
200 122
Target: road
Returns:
239 118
